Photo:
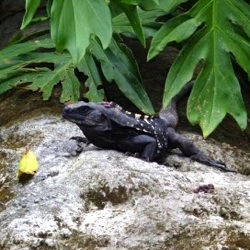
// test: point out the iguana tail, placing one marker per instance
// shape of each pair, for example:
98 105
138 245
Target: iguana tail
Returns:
169 114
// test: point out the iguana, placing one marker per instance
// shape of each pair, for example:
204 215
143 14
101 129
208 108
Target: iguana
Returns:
107 125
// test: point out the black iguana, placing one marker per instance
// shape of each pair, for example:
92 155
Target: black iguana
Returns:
107 125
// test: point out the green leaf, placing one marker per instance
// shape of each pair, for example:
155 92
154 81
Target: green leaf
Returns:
134 19
89 67
210 28
149 4
144 4
13 58
149 24
169 5
166 5
10 52
177 29
70 83
31 7
15 70
63 72
74 22
118 64
20 37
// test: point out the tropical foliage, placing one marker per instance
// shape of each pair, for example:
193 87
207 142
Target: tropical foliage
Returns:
86 35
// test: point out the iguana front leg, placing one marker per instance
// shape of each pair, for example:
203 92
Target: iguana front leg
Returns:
77 148
190 150
143 146
80 139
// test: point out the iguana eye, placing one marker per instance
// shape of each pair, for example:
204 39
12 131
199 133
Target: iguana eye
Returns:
84 109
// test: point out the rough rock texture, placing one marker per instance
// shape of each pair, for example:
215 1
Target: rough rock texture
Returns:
105 200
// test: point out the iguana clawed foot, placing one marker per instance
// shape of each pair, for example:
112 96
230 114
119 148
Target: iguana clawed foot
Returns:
202 158
80 139
76 145
133 154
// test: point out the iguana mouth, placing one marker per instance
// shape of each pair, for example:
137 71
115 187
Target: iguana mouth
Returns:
88 119
80 120
68 115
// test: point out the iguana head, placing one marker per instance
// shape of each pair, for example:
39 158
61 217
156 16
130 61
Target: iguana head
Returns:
87 115
104 116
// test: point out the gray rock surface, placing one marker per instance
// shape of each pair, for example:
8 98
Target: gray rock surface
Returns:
103 199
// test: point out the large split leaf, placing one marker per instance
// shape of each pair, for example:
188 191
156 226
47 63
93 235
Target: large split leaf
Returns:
30 10
42 70
145 4
149 24
94 81
21 64
74 22
119 65
63 72
166 5
216 30
13 60
131 12
141 16
169 5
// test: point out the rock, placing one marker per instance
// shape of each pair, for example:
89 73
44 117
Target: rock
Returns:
103 199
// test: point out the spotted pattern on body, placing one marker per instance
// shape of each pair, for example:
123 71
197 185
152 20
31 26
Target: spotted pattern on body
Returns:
109 126
145 123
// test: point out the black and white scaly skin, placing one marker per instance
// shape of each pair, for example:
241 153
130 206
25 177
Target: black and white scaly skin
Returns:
109 126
